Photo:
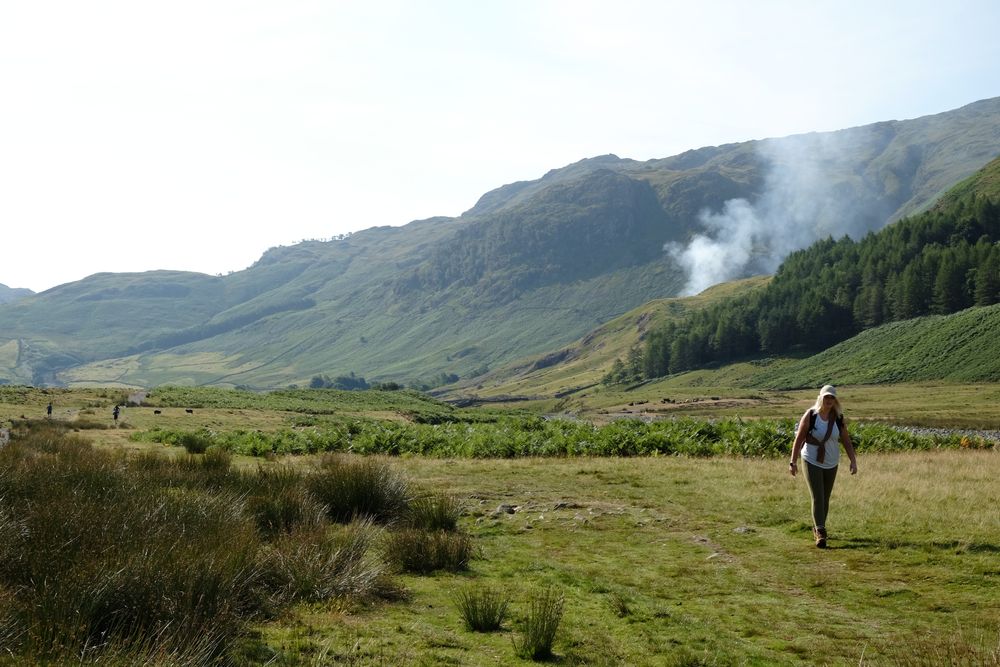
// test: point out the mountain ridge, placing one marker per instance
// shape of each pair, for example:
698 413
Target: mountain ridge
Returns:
11 294
531 267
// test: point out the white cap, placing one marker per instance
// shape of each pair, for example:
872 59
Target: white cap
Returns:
828 390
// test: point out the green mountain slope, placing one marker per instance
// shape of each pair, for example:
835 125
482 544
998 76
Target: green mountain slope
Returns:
583 363
962 347
9 294
937 262
531 268
402 341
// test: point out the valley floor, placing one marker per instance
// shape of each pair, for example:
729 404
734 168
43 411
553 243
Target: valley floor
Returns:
664 560
688 561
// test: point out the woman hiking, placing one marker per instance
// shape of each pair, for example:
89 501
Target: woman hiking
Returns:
820 429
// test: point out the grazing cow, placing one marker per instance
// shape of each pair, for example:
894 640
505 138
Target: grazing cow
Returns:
189 411
157 412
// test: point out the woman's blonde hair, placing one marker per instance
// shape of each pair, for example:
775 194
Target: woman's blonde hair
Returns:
828 390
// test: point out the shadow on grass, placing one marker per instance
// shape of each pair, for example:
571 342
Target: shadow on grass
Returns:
954 546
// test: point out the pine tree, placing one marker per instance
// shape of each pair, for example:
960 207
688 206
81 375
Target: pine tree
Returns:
634 365
616 374
910 299
987 281
869 307
949 286
656 360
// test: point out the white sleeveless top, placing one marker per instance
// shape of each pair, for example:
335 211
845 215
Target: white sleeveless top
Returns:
831 456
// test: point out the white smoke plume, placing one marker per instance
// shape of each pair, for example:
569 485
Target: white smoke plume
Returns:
812 190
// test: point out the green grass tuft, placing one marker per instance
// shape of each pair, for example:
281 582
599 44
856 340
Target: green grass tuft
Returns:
422 552
315 564
539 628
433 511
278 500
354 488
483 608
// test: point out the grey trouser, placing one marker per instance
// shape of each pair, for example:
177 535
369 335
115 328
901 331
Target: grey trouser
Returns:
820 481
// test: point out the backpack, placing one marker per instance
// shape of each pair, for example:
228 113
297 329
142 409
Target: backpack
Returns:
812 420
820 454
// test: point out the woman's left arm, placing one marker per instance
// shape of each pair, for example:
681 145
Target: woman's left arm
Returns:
845 438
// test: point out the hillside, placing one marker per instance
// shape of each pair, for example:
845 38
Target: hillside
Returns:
962 347
583 363
914 259
530 268
926 371
10 294
939 262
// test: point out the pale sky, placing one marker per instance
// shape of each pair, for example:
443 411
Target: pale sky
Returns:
187 135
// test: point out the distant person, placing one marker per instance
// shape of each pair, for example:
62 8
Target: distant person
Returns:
115 413
48 411
820 429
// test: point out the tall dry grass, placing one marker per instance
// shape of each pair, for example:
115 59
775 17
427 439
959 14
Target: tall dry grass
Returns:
353 488
112 559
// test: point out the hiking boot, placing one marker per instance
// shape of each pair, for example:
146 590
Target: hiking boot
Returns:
819 534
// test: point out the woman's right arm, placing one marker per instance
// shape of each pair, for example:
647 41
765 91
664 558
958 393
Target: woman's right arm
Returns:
800 438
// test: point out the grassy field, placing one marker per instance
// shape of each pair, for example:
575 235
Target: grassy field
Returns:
222 409
681 561
660 560
714 394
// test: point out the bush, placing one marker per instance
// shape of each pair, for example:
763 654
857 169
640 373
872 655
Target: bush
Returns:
210 472
433 512
483 609
280 503
619 604
122 560
195 442
87 577
353 488
453 435
423 552
313 564
538 631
